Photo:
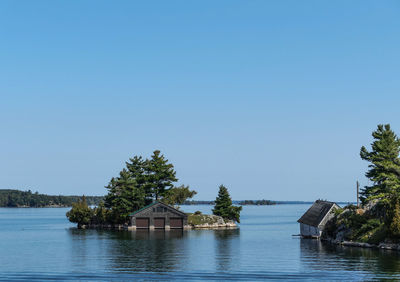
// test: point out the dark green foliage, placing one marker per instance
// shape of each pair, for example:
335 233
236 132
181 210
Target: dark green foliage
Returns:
140 183
359 226
124 196
384 168
160 176
137 170
380 220
378 235
16 198
257 202
178 195
192 202
80 213
100 214
394 226
223 205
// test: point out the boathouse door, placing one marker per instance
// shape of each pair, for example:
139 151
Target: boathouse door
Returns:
142 222
176 223
159 222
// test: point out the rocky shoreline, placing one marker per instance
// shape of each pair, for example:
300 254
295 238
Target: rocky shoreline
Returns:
226 225
205 221
383 246
196 221
215 226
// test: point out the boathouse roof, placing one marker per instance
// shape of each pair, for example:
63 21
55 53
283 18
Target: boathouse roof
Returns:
155 204
316 213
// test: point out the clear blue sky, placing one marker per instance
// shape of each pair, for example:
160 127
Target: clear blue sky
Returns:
271 98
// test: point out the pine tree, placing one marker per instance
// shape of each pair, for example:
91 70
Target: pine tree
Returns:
395 220
124 196
223 205
160 176
384 170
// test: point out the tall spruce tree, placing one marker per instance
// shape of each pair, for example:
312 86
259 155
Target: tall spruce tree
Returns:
223 205
160 176
384 168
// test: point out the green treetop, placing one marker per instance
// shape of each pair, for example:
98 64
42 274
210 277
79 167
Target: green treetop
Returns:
160 175
80 212
124 196
384 168
178 195
141 182
223 205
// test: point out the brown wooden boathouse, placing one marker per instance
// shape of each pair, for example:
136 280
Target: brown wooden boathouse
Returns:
158 216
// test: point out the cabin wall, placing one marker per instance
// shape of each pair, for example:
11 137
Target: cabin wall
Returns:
328 217
309 231
153 215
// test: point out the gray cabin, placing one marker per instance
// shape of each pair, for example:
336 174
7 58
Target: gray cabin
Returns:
158 215
313 221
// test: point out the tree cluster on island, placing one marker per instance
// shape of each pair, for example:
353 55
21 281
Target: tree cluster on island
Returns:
140 183
378 220
224 207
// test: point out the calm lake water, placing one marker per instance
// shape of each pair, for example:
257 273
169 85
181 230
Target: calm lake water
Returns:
40 244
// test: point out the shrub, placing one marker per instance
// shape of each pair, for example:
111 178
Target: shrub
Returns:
80 213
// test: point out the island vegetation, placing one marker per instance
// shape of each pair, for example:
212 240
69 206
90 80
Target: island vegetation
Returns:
225 214
377 220
141 182
224 207
17 198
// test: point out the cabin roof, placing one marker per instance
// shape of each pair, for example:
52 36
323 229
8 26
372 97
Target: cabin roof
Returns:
160 204
316 213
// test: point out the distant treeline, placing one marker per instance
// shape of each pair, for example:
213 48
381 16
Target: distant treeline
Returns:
243 202
16 198
257 202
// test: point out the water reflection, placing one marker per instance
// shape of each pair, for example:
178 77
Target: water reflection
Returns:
319 255
142 250
226 244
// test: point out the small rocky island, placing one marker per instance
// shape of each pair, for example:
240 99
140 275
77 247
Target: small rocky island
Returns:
144 196
198 220
375 223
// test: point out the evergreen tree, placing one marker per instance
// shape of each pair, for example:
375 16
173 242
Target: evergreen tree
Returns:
384 170
141 182
100 214
160 176
395 219
136 168
124 196
80 213
223 205
178 195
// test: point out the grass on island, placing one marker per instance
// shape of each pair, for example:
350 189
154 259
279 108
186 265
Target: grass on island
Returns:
198 218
